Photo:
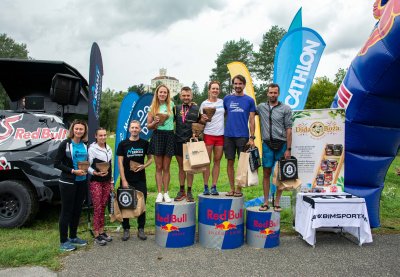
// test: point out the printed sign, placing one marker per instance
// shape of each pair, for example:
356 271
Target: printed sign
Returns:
318 145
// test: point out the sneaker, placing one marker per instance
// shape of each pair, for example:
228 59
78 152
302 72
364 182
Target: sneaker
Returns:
100 240
189 197
167 199
180 196
106 237
78 242
159 198
206 191
126 235
67 246
214 191
141 235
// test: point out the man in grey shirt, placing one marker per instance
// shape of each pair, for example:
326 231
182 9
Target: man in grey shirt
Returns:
276 129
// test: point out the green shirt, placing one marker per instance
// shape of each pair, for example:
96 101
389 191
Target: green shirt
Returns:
169 123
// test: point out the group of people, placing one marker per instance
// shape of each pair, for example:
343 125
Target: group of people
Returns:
73 180
228 131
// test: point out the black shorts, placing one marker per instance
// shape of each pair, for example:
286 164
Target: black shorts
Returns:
233 146
179 148
162 143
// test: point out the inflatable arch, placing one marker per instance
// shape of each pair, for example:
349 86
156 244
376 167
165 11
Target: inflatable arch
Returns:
370 92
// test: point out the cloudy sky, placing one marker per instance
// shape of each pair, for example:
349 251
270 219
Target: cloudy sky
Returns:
138 37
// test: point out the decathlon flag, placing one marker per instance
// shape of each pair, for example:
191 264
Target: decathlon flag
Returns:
140 113
297 21
236 68
125 111
95 88
294 68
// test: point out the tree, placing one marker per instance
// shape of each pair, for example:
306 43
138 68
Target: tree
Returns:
264 58
339 77
139 89
321 94
232 51
10 49
109 108
198 96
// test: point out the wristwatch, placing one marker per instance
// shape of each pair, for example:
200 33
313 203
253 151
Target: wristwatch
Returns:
290 149
253 137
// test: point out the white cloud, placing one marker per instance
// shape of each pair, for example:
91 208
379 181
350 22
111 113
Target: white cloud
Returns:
137 38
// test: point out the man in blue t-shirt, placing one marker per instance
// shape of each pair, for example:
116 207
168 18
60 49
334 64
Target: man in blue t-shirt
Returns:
240 112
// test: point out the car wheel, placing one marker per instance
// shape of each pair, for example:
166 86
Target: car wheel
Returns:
18 203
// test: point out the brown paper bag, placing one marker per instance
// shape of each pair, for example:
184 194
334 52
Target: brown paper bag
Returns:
197 152
242 167
117 215
186 163
140 208
285 185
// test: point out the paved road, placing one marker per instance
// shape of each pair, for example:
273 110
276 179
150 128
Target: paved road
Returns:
334 255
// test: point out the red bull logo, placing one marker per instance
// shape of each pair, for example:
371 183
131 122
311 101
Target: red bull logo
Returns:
391 11
225 226
344 96
226 215
265 224
170 228
41 133
171 218
8 125
266 231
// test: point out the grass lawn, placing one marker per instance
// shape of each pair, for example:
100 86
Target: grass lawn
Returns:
37 244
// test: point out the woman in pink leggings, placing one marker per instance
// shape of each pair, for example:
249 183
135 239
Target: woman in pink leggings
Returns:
100 184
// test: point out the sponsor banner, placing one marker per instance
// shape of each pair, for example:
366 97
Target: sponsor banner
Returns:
125 111
221 223
175 224
262 228
294 67
297 21
140 112
95 88
318 145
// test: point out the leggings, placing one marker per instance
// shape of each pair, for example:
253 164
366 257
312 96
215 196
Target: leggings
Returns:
100 191
72 197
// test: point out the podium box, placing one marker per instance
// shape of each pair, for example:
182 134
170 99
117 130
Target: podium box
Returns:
175 224
221 223
262 228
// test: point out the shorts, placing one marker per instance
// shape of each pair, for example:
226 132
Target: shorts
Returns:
233 146
162 143
213 140
269 157
179 148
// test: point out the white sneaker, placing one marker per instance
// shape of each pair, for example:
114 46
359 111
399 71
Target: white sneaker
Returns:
159 198
167 199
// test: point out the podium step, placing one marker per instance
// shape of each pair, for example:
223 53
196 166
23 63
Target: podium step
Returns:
221 221
175 224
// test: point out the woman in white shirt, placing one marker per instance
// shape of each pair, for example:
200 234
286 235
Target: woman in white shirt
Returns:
213 136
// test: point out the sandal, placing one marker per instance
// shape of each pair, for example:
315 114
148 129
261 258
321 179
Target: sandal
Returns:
231 193
263 208
277 209
238 194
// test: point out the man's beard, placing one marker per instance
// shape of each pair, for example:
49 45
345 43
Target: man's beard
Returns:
238 90
273 100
